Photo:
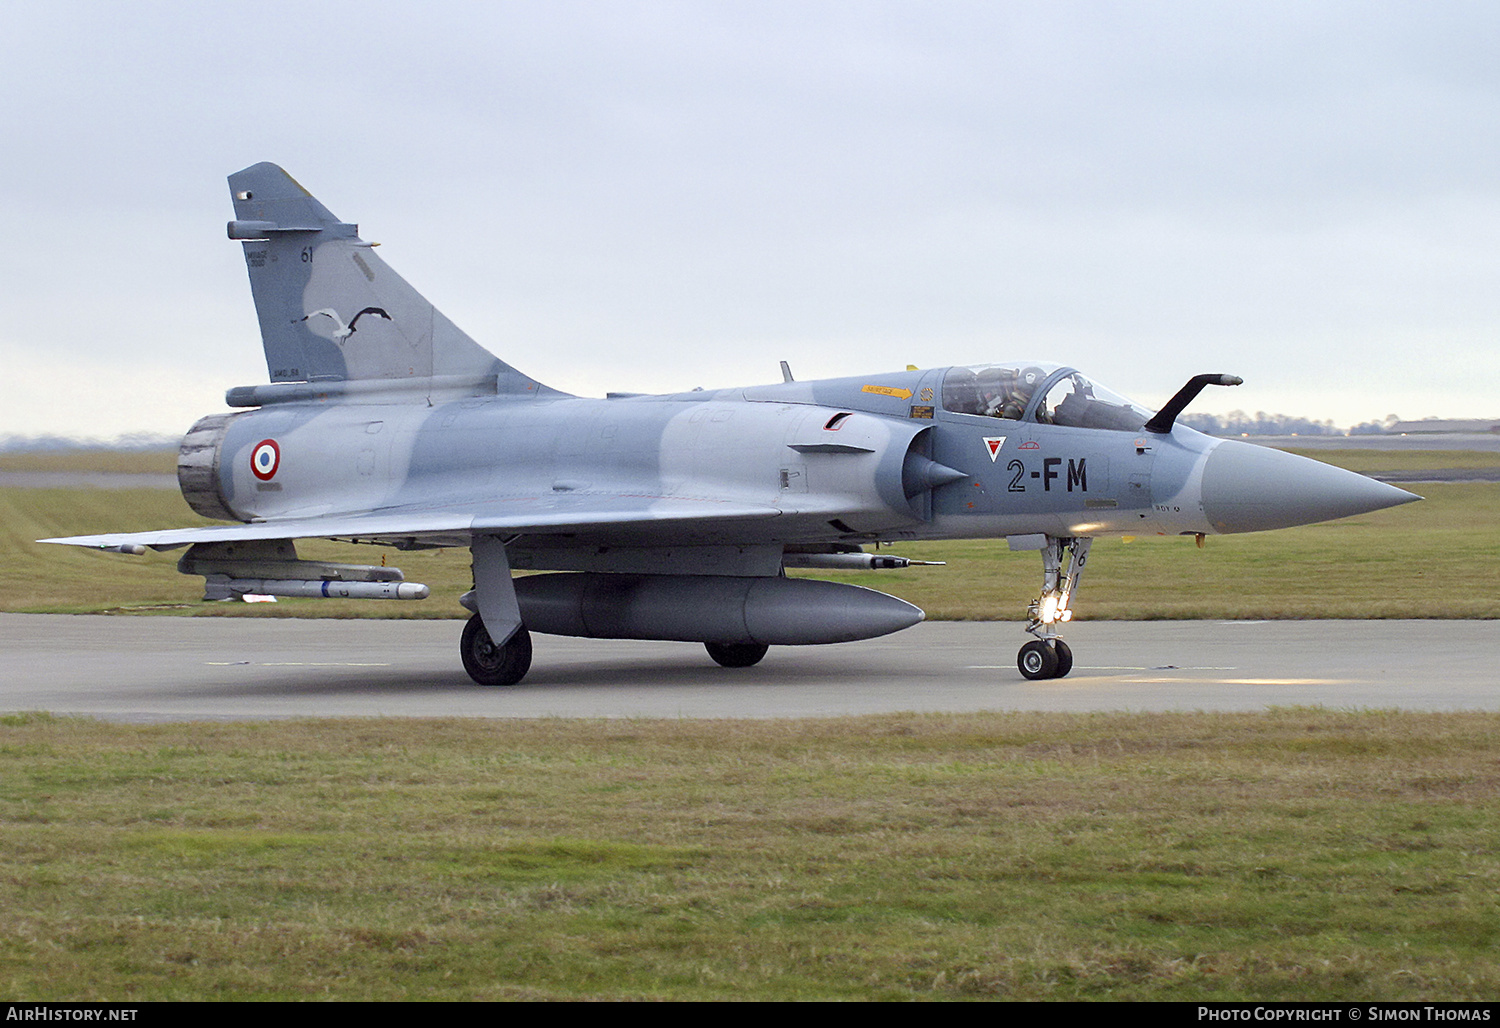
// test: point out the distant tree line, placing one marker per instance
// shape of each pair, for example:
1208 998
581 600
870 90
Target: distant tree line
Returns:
1380 427
1260 423
131 441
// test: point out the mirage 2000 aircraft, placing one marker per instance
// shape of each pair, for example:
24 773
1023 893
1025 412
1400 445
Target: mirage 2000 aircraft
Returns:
672 516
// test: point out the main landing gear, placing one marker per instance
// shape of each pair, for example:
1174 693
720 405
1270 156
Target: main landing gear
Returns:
489 664
1048 656
507 663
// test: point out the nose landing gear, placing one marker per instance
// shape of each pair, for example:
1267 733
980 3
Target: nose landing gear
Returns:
1048 656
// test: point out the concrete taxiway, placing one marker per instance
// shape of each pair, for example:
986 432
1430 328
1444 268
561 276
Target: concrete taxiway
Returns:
175 669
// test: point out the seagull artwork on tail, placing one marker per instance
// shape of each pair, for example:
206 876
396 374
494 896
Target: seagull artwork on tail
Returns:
342 331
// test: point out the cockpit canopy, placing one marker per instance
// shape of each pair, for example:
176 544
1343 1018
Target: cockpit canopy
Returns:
1047 393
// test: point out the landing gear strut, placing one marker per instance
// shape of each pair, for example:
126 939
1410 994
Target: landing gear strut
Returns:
1048 656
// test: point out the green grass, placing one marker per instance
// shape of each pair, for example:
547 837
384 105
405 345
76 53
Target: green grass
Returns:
162 462
1439 558
1298 854
66 579
1292 855
1374 461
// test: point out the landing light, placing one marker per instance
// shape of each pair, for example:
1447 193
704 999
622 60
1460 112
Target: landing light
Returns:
1047 613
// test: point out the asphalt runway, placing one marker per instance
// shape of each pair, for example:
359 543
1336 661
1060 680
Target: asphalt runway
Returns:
180 669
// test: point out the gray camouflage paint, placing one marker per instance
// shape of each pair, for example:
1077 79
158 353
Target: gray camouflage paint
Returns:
384 422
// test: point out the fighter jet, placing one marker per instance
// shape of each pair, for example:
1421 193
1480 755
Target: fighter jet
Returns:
666 516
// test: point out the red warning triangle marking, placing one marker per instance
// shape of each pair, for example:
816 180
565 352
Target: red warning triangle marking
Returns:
994 442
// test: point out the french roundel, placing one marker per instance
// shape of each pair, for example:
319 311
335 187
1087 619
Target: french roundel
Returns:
265 459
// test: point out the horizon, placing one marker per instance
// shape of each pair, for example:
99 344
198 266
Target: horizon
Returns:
153 441
653 195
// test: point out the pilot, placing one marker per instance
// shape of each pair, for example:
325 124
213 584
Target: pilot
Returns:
1006 393
994 385
1026 383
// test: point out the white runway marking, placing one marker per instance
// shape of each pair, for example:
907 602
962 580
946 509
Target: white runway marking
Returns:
295 663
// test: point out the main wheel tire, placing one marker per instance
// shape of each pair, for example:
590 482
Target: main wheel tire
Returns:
1064 659
489 664
736 654
1037 660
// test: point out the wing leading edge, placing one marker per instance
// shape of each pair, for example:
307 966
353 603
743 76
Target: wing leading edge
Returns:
450 524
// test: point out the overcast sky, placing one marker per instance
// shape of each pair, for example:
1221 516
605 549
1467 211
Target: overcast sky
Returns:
651 196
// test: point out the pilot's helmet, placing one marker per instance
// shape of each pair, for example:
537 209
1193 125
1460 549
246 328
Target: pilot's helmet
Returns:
1028 380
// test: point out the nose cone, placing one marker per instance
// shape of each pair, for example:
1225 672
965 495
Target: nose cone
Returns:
1249 488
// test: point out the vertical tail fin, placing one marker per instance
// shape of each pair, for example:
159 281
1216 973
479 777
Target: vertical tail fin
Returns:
331 310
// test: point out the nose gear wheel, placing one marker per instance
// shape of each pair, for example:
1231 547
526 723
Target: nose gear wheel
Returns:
1037 660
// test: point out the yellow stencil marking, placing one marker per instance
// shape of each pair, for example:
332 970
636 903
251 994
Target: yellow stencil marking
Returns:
903 394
